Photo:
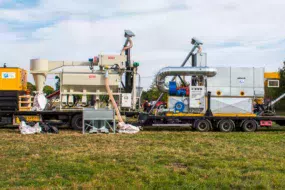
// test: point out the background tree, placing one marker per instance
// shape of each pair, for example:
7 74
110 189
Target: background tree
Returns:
152 94
48 90
273 93
31 87
57 84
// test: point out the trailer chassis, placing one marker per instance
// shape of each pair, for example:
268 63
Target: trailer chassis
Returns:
208 123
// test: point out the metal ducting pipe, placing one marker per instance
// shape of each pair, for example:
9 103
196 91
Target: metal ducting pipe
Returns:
276 100
186 71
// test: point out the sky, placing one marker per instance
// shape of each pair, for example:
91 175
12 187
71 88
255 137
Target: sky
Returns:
236 33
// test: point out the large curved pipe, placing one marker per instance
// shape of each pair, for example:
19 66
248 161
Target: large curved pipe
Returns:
186 71
112 98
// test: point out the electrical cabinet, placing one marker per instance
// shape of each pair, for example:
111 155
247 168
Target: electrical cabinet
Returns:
197 98
126 100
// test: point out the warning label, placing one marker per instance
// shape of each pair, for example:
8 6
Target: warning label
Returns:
92 76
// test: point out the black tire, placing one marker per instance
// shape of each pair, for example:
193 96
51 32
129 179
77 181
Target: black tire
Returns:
249 126
203 125
76 122
226 125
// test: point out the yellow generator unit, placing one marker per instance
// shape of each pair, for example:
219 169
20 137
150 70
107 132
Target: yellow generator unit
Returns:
13 83
13 79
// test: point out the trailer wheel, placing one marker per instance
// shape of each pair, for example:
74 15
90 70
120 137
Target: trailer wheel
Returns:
76 122
203 125
249 126
226 125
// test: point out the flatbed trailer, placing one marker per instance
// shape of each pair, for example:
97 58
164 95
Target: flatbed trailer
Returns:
72 118
202 123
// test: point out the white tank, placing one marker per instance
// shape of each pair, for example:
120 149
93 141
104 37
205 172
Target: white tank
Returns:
39 69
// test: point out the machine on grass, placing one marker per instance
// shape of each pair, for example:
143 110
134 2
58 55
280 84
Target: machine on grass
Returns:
207 98
102 82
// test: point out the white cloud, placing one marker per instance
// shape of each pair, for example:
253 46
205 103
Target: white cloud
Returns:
82 29
4 1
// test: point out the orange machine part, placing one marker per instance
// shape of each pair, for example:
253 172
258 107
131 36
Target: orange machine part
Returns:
13 79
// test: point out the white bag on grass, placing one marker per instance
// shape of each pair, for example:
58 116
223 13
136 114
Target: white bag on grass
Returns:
27 129
127 128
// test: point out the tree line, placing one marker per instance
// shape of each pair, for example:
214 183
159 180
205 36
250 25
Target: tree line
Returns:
273 93
47 89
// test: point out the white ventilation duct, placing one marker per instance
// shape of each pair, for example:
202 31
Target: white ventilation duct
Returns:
184 71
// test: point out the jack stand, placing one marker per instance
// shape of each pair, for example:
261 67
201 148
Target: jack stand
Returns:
209 111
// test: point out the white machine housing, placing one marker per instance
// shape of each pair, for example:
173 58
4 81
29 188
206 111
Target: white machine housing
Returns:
82 79
233 90
110 60
240 105
78 80
237 81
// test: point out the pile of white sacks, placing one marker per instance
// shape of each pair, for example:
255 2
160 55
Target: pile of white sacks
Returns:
127 128
27 129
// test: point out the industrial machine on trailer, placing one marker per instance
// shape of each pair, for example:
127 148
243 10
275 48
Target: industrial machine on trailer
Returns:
207 98
86 84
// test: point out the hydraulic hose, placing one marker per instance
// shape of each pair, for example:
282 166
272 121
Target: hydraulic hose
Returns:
127 47
199 49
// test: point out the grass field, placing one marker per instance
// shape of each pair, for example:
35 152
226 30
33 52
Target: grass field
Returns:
148 160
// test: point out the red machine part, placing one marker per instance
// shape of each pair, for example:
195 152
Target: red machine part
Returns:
159 103
265 123
95 59
185 88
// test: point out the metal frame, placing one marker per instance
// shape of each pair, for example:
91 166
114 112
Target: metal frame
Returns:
94 117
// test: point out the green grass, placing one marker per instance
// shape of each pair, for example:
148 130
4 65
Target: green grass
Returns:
148 160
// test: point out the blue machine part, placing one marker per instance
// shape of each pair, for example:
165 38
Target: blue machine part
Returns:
179 106
172 88
181 92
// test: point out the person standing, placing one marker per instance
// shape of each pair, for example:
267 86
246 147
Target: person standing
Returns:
146 105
